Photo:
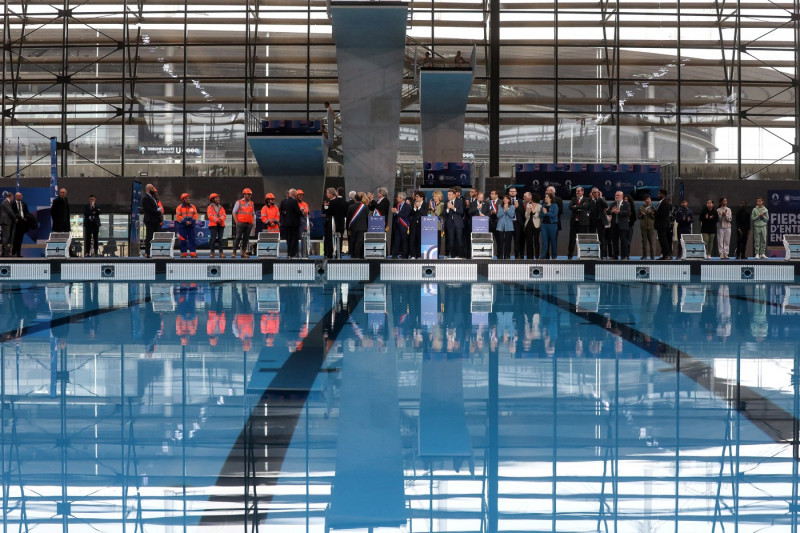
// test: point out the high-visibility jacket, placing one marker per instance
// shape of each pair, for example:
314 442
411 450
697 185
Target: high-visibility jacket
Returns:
185 211
216 323
271 216
243 325
270 323
216 215
245 214
303 208
185 326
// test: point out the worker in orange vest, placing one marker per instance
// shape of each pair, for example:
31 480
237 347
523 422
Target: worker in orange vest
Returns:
244 216
215 327
186 220
270 214
243 329
216 223
270 325
304 225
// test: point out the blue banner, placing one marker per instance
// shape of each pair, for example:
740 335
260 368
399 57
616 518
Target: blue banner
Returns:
53 168
783 206
438 174
429 240
535 178
376 224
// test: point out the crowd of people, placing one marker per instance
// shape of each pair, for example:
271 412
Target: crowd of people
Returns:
522 227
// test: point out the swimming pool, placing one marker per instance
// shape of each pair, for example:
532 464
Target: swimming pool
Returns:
405 406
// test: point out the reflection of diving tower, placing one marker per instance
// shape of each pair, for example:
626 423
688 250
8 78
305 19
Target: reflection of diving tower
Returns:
370 45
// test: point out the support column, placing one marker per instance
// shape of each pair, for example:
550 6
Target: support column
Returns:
370 43
442 105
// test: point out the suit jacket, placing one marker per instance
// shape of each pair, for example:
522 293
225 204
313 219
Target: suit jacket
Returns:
19 217
7 216
383 206
360 224
152 215
418 212
580 211
404 213
91 216
59 213
621 219
336 211
597 212
662 214
454 218
291 214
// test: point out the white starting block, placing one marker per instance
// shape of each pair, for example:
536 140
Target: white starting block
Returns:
588 298
162 297
588 246
792 245
791 300
481 297
374 298
692 298
58 296
375 245
482 245
268 244
163 244
693 246
58 245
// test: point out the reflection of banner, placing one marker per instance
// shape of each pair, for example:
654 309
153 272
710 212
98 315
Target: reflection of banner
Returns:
429 240
429 304
53 168
133 223
535 177
376 224
783 206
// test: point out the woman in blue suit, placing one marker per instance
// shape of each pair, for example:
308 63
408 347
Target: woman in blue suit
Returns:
505 228
549 227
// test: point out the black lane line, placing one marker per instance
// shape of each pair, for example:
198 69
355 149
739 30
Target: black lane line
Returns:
772 419
293 382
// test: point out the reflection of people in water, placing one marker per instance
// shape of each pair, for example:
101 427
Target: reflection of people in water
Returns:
110 247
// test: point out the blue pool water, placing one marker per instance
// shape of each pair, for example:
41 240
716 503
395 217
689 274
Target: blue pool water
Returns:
409 407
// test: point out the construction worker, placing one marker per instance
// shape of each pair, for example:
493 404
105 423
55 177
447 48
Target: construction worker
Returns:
244 216
216 223
270 214
304 224
215 326
186 220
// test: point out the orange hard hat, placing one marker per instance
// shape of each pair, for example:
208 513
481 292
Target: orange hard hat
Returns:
212 196
269 196
184 195
247 191
300 191
213 340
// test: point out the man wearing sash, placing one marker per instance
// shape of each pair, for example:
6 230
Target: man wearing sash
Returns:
400 226
357 226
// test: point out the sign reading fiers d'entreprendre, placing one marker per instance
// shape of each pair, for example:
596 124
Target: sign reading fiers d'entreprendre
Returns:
784 215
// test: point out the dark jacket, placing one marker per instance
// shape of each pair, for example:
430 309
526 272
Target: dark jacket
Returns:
19 217
663 212
152 215
403 216
708 220
360 223
383 206
580 211
743 219
291 214
91 216
418 213
597 213
454 217
336 211
59 213
621 219
685 217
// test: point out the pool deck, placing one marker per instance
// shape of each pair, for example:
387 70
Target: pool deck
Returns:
320 269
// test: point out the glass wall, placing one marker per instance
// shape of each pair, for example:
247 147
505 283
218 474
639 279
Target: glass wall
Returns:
165 89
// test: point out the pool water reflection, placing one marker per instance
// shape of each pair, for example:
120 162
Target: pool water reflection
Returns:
434 407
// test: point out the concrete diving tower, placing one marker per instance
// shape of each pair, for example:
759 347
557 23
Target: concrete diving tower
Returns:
443 93
370 44
290 154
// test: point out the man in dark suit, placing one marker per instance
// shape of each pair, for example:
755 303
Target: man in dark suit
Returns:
620 212
357 226
91 227
335 210
401 226
598 220
21 215
7 219
59 212
454 222
153 215
663 225
578 220
291 217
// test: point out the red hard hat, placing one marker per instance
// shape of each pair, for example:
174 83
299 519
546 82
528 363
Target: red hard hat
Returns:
212 196
247 191
269 196
300 191
184 195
